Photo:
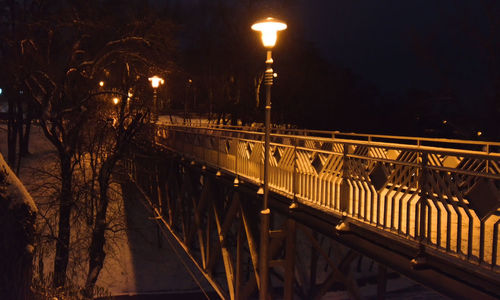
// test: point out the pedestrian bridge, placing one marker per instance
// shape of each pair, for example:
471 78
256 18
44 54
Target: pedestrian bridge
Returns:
426 208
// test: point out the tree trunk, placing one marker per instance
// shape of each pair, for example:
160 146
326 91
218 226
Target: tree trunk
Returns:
11 134
64 230
96 250
24 145
19 122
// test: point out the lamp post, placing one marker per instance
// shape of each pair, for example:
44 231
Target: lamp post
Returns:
155 83
186 96
269 28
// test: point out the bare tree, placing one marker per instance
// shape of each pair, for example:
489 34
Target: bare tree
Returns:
67 57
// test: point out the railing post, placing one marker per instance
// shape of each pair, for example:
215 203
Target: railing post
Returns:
236 157
294 174
419 261
218 151
423 197
344 184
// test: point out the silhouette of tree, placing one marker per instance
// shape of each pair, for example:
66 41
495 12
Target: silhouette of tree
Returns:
66 48
472 35
13 51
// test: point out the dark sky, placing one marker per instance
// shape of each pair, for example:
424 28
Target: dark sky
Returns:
379 41
431 45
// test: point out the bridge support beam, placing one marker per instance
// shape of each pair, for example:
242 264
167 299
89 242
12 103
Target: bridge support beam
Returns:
219 234
290 259
265 217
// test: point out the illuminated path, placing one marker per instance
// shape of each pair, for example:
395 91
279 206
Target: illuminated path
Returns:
427 208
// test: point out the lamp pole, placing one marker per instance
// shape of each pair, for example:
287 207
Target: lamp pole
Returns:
266 212
269 28
155 105
268 82
155 83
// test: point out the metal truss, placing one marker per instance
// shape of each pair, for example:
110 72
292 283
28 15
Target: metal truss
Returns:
427 208
216 223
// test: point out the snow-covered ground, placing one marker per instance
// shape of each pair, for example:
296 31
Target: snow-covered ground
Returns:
134 263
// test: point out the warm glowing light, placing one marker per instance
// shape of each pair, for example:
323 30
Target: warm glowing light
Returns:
269 29
156 81
115 100
275 75
101 83
444 121
479 133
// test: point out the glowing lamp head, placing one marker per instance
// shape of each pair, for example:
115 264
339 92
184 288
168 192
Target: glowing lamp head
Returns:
156 81
115 100
101 83
269 29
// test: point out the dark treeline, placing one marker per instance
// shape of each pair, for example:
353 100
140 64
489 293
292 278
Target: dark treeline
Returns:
54 54
222 63
219 64
224 60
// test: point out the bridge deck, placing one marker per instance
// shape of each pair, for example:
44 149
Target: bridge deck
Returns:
437 193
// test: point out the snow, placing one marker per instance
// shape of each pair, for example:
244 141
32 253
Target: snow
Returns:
134 263
15 191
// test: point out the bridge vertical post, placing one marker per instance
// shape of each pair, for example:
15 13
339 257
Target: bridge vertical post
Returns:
294 174
236 157
344 185
289 259
419 261
423 198
265 213
218 151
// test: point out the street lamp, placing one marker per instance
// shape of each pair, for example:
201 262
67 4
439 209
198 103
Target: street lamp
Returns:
155 83
269 28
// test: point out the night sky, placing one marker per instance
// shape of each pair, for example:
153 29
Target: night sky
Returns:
387 42
442 56
398 45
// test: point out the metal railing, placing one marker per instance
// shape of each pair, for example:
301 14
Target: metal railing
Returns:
441 193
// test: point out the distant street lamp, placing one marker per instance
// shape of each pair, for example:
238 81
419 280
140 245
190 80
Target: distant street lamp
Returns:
116 100
101 83
155 83
186 96
269 28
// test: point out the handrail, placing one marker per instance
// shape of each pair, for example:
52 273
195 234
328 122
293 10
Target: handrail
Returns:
390 145
443 197
276 132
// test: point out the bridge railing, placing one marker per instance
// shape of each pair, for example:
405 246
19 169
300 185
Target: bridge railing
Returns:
444 194
483 146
